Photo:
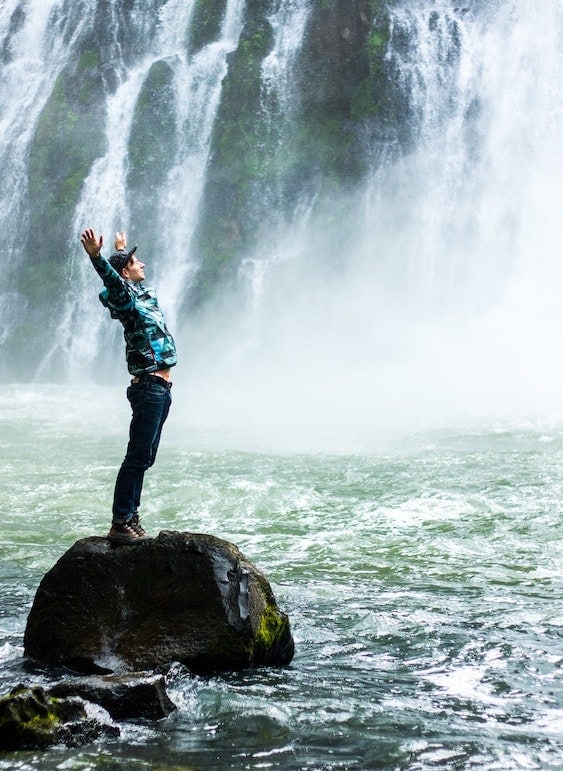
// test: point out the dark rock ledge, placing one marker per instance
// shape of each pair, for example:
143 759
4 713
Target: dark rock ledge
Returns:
127 696
30 718
79 710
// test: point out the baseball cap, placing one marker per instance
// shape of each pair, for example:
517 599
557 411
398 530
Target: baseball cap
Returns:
119 260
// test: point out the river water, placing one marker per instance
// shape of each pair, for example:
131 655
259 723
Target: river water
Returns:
422 573
360 430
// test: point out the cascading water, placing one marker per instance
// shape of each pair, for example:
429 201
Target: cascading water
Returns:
423 271
440 299
35 40
484 104
477 198
278 97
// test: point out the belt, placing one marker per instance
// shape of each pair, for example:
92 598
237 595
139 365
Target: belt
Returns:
148 377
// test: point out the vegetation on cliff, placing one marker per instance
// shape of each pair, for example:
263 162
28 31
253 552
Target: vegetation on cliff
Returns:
262 162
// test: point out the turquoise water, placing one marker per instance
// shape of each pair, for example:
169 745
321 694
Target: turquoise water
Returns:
423 578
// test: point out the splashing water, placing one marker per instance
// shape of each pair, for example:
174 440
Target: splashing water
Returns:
439 299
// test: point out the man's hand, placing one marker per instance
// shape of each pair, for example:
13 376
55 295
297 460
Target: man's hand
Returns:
120 241
91 244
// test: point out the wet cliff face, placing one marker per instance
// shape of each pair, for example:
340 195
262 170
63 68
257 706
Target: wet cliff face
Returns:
271 149
66 142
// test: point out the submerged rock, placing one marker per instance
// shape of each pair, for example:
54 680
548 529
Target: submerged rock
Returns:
32 719
123 696
182 597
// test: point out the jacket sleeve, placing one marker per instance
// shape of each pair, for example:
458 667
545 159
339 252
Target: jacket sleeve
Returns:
117 292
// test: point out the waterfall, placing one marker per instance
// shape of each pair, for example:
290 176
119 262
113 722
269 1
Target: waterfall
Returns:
483 102
435 270
34 41
442 296
470 212
445 222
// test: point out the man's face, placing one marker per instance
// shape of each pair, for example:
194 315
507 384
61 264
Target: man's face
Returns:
135 270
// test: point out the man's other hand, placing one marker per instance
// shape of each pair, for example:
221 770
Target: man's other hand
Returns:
120 241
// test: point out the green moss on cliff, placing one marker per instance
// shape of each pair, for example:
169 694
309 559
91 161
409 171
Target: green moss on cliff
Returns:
65 144
152 152
257 169
238 163
205 24
152 145
237 135
89 60
67 140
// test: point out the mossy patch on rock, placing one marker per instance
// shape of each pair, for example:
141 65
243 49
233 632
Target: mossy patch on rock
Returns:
32 719
272 630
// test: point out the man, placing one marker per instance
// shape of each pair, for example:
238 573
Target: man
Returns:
150 352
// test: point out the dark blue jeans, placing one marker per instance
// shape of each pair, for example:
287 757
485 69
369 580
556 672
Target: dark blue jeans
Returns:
150 401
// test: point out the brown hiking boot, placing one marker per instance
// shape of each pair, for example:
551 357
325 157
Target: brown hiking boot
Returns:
126 533
136 525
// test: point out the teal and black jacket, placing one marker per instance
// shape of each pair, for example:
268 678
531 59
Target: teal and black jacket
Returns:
149 346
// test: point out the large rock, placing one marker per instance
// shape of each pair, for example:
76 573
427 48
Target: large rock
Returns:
182 597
